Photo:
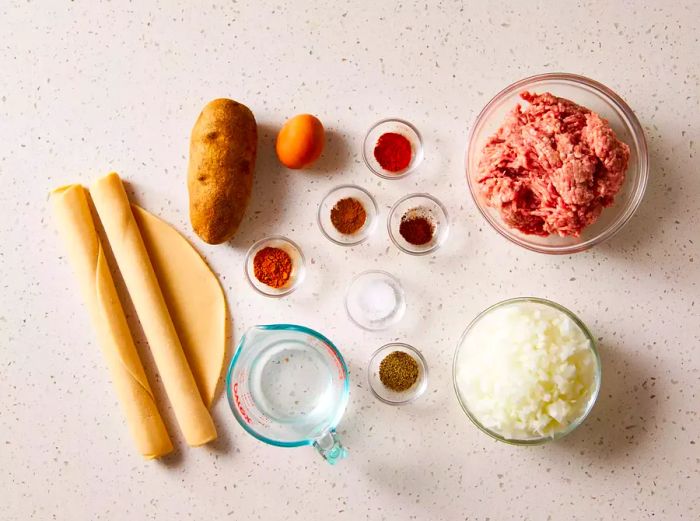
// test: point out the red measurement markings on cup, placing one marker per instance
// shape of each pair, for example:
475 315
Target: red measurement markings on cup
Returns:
237 399
336 359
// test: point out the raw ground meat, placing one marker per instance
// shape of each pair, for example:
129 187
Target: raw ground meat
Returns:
552 166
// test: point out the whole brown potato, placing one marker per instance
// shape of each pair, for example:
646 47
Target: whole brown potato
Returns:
223 148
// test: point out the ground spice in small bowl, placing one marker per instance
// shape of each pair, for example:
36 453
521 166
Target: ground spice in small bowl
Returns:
393 152
416 227
272 266
398 371
348 215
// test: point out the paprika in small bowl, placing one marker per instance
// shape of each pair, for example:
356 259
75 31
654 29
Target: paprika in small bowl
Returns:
393 148
275 266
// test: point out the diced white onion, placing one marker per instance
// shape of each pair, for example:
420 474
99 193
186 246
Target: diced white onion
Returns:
526 370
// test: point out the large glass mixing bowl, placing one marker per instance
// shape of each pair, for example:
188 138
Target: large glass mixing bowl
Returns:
598 98
535 440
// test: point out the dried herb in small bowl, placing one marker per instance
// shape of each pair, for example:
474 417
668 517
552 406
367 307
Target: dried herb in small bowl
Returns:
398 371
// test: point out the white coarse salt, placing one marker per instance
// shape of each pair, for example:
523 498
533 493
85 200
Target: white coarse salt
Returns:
377 300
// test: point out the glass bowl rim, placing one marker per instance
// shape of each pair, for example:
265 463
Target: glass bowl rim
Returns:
446 226
419 153
421 359
300 276
354 279
372 226
634 127
591 401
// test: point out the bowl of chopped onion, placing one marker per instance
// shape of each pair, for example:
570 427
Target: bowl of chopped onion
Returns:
527 371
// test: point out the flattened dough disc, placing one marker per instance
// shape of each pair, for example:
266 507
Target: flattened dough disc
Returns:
194 297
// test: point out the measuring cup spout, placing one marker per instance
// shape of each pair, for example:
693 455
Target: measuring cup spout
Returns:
251 335
330 448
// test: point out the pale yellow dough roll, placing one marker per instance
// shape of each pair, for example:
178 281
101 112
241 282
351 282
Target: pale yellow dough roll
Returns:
194 297
86 255
115 213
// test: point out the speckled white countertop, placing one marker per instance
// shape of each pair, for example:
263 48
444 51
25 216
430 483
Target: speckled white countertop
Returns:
89 87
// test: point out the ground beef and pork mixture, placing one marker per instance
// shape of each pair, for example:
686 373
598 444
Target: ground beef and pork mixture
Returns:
552 166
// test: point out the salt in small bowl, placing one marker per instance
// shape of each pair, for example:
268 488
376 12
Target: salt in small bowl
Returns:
375 300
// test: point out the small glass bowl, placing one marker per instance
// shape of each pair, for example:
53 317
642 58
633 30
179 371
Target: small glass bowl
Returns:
358 300
595 96
537 440
330 200
398 126
298 266
385 394
433 209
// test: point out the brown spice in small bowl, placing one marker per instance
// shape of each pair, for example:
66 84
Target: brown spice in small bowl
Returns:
348 216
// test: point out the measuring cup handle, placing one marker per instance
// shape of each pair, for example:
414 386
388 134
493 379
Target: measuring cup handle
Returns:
330 448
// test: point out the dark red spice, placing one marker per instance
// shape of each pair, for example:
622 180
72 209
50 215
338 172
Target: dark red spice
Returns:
416 229
393 152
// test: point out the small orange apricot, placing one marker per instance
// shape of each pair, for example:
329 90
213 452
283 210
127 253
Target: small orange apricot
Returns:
300 141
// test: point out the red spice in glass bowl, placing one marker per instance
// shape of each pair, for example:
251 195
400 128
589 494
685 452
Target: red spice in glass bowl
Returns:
392 148
272 266
416 228
393 152
418 224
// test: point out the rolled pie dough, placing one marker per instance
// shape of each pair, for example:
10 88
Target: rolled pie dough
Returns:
132 258
86 255
194 298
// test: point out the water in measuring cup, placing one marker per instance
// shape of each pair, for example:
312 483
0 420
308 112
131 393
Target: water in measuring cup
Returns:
292 383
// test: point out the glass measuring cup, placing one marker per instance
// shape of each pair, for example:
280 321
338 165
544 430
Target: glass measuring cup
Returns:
287 385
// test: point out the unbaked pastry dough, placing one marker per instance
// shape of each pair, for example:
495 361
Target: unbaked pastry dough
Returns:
86 255
130 253
194 297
